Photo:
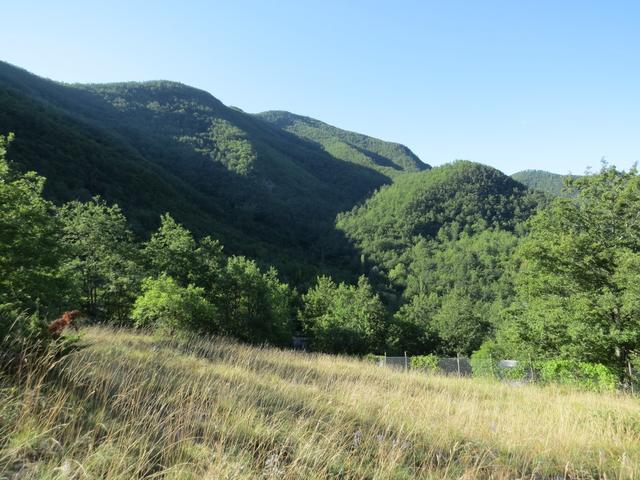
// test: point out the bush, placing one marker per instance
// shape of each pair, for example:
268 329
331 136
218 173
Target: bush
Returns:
427 363
373 358
18 334
255 306
589 376
25 341
343 318
482 361
167 306
523 370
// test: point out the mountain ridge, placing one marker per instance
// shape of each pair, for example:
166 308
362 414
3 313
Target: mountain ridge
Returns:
389 158
163 146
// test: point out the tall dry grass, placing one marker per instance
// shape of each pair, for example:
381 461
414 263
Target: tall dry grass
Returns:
135 406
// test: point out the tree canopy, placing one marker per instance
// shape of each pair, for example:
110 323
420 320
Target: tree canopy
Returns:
577 289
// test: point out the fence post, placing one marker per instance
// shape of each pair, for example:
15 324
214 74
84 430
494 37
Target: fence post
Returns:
406 363
385 359
531 374
630 375
493 373
458 362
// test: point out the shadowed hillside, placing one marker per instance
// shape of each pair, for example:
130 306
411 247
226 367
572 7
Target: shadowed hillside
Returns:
163 146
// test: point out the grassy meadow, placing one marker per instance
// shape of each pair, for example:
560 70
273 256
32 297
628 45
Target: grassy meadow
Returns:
131 405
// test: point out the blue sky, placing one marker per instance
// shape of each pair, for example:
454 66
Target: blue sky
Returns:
515 84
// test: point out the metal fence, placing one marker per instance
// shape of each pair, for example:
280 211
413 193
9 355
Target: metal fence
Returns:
460 366
515 372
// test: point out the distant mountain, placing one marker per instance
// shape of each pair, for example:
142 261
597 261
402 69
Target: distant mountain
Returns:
161 146
448 200
270 186
386 157
552 183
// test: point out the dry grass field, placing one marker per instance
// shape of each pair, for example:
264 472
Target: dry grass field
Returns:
131 405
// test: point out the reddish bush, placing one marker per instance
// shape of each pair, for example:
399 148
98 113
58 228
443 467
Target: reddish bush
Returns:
66 320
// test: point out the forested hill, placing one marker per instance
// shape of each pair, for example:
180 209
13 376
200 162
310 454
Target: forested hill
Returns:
552 183
370 254
387 157
448 200
161 146
439 244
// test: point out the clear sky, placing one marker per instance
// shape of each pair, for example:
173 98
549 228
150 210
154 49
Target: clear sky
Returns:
515 84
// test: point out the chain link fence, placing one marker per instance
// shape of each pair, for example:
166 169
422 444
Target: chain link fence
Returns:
460 366
516 372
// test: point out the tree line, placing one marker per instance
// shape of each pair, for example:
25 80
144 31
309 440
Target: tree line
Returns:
84 255
556 281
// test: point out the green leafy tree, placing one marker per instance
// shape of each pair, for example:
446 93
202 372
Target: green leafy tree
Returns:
344 318
459 324
577 288
30 252
209 265
172 250
102 258
254 306
31 286
165 305
412 330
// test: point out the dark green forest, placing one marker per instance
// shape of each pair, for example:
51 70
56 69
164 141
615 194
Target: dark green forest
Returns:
153 205
159 147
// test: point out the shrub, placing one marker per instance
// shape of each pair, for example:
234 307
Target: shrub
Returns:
343 318
427 363
523 370
482 363
167 306
25 341
373 358
255 306
589 376
18 334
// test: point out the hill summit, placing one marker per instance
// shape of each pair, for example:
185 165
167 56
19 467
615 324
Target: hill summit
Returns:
386 157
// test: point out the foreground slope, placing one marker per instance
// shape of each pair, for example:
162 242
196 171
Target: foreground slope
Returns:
162 146
135 406
386 157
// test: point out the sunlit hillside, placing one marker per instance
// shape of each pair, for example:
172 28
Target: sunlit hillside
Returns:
130 405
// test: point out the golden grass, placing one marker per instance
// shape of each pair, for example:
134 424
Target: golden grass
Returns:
136 406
